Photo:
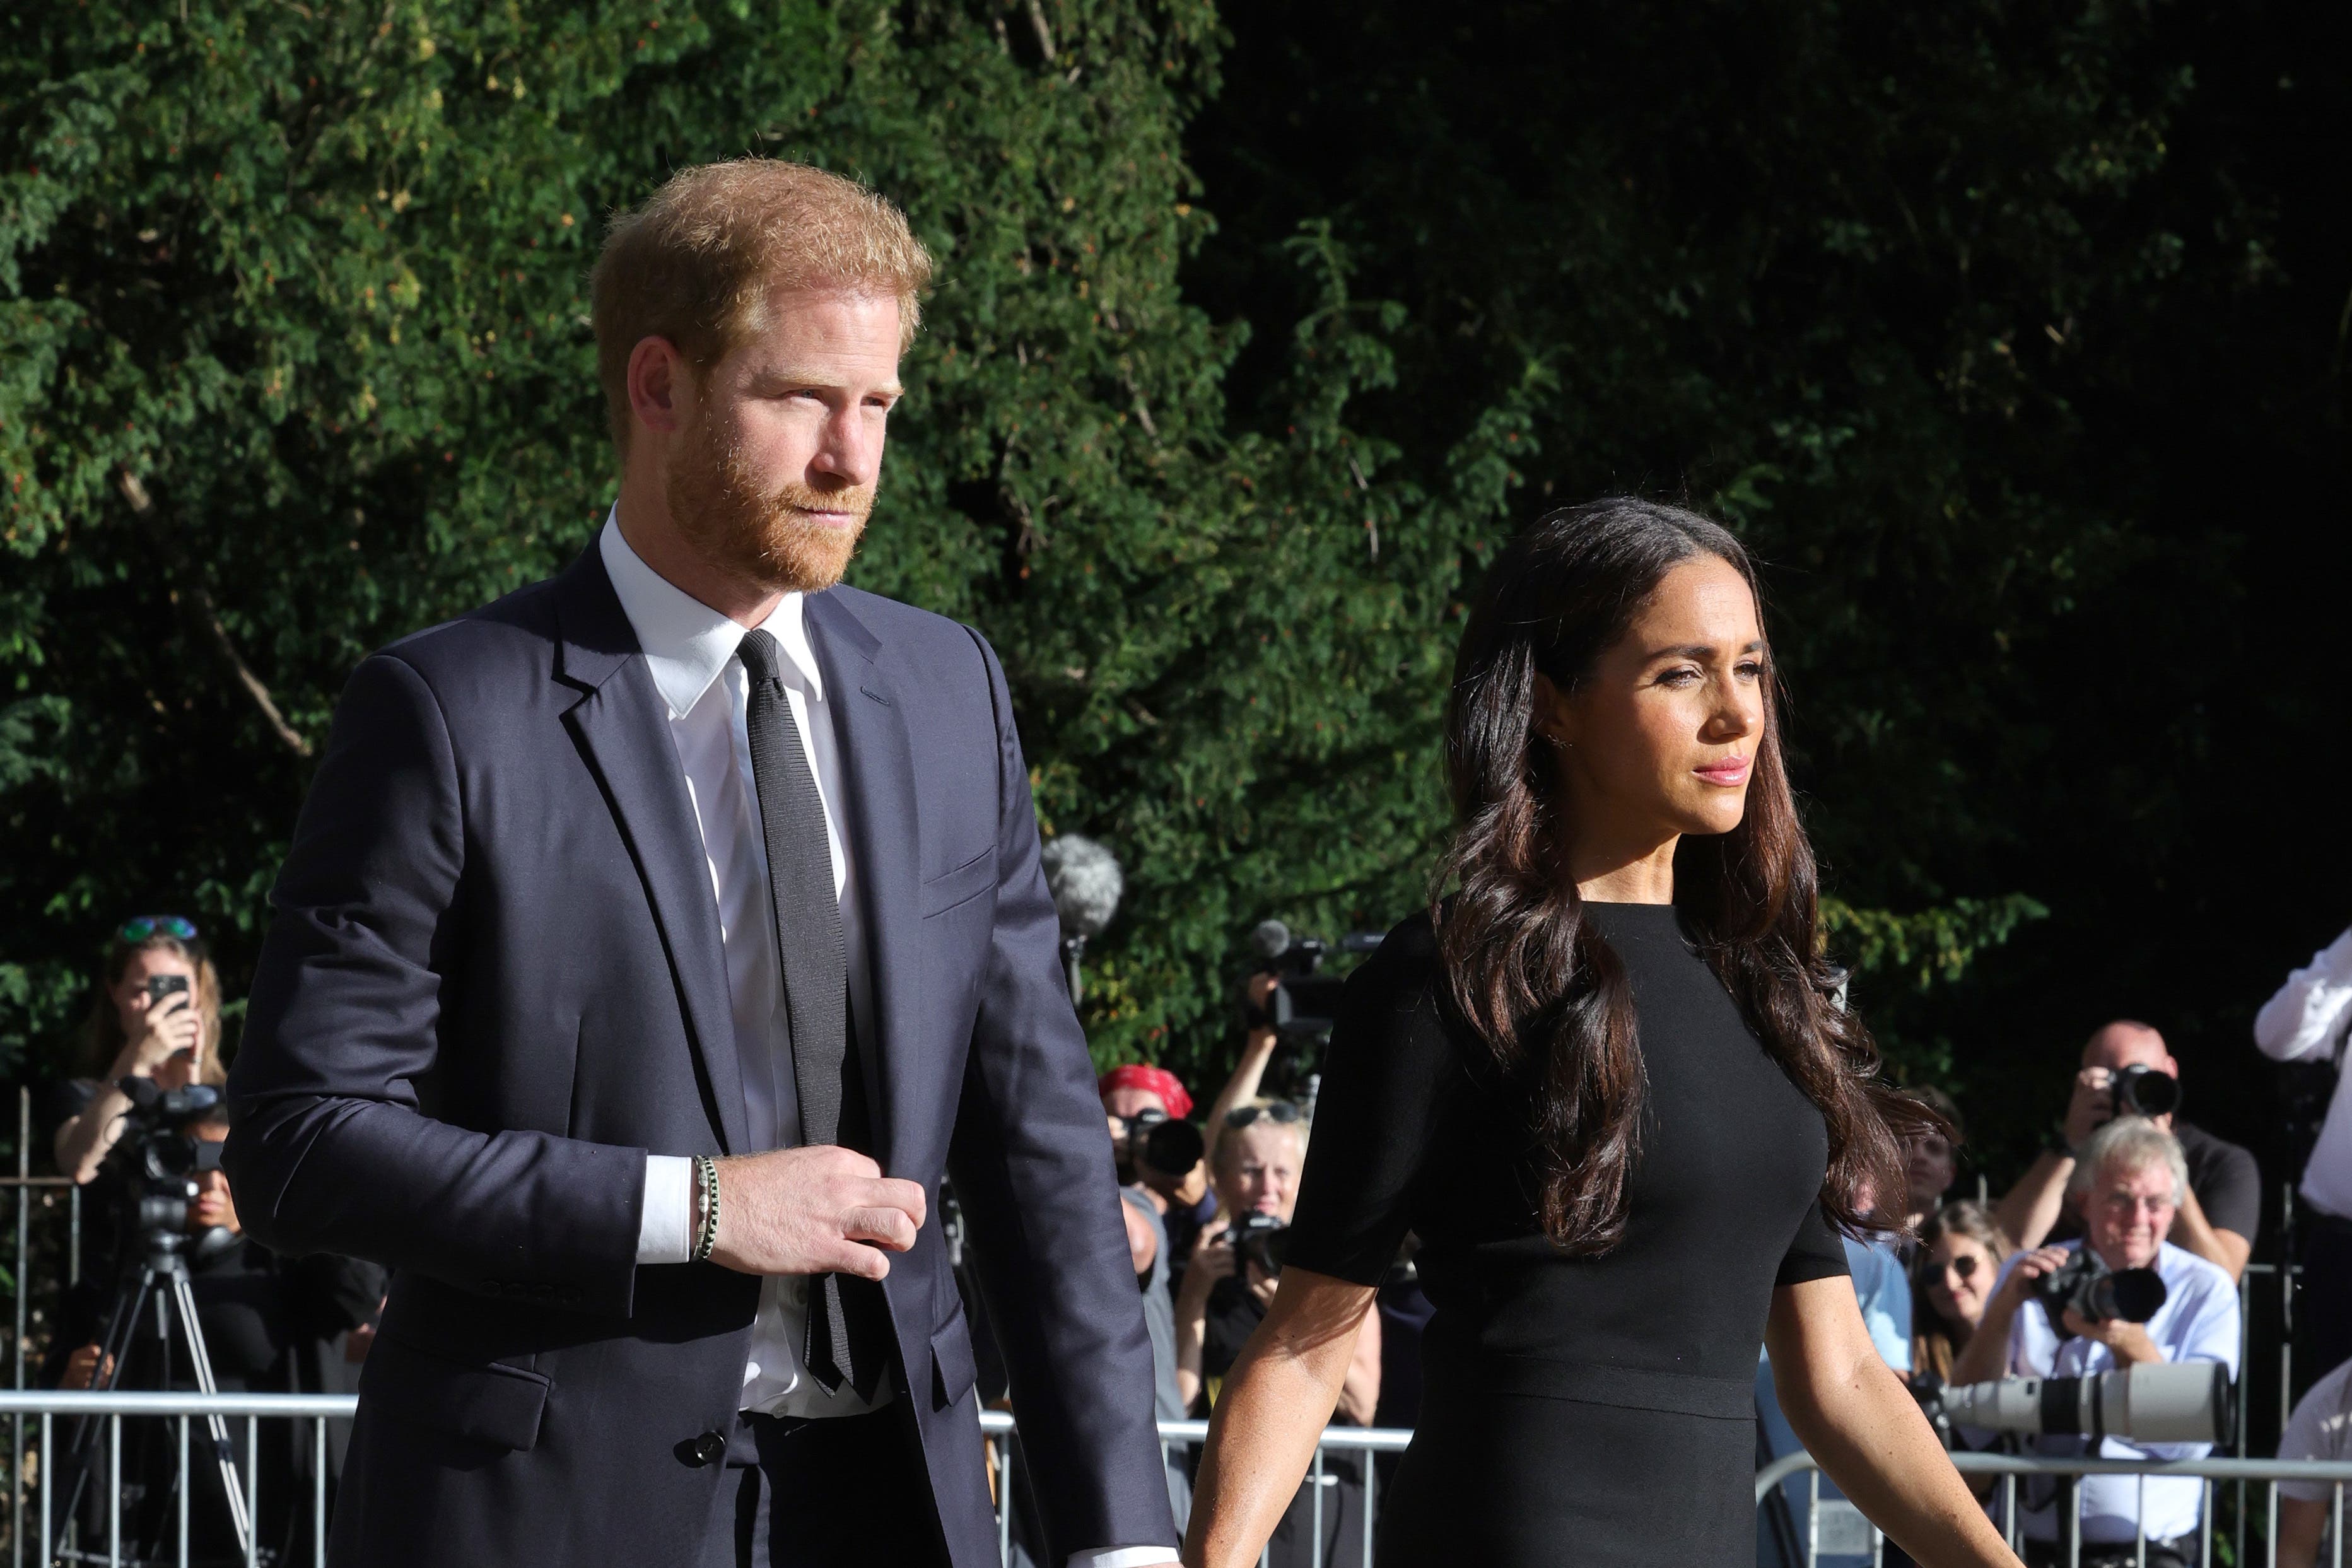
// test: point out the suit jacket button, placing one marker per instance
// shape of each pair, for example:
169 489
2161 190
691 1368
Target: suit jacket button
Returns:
708 1448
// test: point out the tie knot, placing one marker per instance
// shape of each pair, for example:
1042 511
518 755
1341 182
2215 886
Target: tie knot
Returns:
762 658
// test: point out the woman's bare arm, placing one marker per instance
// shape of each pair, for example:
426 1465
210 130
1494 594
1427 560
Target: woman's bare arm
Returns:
1854 1415
1274 1406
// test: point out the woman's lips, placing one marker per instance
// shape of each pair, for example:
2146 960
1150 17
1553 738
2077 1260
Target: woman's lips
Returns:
1728 771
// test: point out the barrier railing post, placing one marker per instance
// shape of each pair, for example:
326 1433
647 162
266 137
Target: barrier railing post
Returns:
1315 1480
114 1491
1371 1506
2139 1525
2271 1529
2336 1530
253 1491
1812 1518
2205 1527
319 1492
17 1349
1004 1501
184 1486
48 1553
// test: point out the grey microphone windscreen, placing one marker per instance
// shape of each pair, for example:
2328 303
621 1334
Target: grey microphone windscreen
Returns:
1271 939
1086 882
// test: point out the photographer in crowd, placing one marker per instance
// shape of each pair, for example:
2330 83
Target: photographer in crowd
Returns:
1228 1285
269 1326
2127 1072
156 1015
1140 1101
2132 1180
2308 1021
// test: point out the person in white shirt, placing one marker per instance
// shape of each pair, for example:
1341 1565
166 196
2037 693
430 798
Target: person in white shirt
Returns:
2307 1021
2131 1179
2320 1428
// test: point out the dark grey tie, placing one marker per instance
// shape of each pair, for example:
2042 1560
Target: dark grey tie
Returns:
840 1349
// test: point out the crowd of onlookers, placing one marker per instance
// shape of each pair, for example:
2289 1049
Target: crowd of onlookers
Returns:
1949 1290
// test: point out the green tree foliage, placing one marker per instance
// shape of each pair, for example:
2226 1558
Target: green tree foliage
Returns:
294 359
297 361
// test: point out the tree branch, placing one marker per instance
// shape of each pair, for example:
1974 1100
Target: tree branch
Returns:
208 614
1045 34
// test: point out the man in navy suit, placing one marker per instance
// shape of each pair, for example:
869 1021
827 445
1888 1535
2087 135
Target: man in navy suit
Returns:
651 942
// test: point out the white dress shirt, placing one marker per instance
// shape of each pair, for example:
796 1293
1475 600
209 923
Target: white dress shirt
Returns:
689 650
2198 1322
2306 1022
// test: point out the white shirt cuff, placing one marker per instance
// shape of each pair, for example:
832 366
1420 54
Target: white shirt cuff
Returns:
665 1229
1124 1557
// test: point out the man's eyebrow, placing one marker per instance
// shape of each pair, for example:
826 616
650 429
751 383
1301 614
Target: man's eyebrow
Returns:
788 377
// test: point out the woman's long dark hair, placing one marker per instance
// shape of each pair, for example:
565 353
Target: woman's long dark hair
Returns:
1534 978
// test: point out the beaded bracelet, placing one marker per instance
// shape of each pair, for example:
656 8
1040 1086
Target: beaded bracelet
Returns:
706 1206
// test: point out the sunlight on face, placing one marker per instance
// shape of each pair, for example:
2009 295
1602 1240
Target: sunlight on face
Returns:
1660 738
1960 1271
2129 1213
1258 1169
783 451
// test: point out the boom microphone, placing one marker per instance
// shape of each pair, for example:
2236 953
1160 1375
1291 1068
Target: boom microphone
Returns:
1086 882
1271 939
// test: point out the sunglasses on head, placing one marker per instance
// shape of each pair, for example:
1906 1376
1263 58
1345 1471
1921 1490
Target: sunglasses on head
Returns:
1281 1111
141 927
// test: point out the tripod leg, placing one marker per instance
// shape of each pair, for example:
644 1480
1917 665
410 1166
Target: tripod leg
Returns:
82 1449
201 1359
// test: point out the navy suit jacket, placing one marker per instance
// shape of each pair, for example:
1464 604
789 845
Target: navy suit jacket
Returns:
494 982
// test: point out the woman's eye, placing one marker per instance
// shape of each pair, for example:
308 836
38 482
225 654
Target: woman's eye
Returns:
1752 669
1682 676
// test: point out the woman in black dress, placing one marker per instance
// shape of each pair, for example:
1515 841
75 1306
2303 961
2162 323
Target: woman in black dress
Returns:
1608 1084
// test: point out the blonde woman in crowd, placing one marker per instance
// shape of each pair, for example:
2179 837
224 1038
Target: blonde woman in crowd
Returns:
156 1015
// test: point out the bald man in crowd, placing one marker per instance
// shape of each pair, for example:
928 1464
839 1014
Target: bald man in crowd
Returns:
2217 1219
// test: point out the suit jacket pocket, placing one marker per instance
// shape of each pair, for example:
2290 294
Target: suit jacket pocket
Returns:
954 1370
967 881
487 1402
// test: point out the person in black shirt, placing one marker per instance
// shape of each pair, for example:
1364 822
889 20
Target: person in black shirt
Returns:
268 1324
2218 1219
1609 1085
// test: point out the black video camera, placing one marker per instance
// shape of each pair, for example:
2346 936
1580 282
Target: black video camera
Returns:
1305 1001
1259 1238
2138 1090
2100 1294
169 1158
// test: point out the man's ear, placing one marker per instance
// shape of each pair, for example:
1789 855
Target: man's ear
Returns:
661 386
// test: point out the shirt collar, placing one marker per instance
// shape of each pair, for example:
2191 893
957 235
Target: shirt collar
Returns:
688 644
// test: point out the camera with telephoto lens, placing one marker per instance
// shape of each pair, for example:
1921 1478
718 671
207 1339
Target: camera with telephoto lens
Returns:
2138 1090
2100 1294
2154 1402
165 1157
1259 1238
1161 1143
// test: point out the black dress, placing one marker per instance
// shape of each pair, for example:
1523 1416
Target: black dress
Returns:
1592 1411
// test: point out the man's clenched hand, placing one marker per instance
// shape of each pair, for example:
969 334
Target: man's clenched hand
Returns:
822 1210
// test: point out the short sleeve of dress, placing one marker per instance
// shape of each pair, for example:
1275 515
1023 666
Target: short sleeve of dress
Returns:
1815 1254
1387 1073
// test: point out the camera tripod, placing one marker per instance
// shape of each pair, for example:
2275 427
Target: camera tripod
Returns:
162 1279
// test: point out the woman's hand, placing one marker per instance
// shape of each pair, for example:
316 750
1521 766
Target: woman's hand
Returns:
1212 1260
170 1041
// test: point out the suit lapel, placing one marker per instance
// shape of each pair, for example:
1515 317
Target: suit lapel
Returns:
623 728
878 783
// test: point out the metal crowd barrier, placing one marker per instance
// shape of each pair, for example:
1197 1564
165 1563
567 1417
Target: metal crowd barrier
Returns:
2337 1474
46 1408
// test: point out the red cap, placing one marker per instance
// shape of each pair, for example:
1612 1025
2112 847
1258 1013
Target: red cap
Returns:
1152 1080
